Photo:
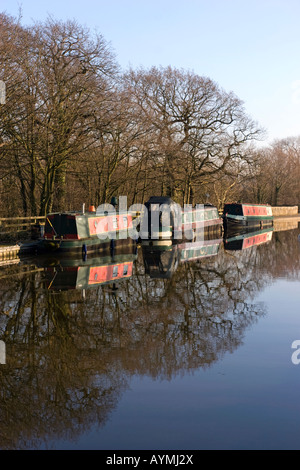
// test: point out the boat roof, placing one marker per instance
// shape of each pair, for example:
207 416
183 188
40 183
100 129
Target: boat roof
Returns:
86 213
169 200
246 204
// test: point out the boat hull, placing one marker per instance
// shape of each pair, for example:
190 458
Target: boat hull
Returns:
79 247
236 222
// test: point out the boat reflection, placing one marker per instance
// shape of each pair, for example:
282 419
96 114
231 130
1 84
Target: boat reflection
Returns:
162 260
114 264
247 238
69 358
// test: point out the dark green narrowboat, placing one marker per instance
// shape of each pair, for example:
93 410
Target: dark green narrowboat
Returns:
164 219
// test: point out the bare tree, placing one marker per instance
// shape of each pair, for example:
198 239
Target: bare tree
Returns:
62 75
78 71
275 173
197 127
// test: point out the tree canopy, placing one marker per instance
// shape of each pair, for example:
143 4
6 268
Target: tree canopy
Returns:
75 128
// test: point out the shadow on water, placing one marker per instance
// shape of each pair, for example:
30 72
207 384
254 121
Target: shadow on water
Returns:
76 331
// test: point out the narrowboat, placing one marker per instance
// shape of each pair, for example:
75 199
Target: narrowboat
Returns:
248 239
163 219
247 215
83 231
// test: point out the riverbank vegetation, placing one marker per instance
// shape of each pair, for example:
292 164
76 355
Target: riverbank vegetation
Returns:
75 129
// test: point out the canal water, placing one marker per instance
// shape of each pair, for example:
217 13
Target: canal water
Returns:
183 347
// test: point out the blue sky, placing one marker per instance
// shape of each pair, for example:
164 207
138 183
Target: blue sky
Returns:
248 47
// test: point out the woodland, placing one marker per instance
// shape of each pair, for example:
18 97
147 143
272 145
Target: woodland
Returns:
75 128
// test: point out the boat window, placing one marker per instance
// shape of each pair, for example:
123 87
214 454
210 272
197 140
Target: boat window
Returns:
234 209
125 271
68 225
115 271
200 215
60 225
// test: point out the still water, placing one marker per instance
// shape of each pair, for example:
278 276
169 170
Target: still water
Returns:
175 348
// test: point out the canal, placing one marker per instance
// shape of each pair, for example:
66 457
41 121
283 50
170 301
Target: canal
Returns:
181 347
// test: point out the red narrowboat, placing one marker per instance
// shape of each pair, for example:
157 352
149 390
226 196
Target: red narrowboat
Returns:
238 216
79 232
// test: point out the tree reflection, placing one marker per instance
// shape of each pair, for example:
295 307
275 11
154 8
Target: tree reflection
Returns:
70 356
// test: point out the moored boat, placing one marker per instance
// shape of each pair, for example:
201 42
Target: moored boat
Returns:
164 219
239 215
84 231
